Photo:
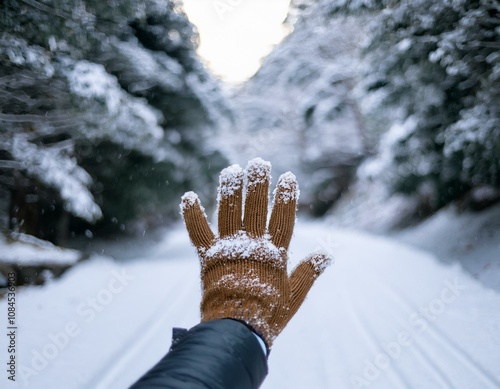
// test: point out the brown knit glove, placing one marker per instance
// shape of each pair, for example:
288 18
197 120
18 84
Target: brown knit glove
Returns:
244 270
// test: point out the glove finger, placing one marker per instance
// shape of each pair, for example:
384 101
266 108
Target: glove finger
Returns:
196 221
303 277
258 175
229 198
283 215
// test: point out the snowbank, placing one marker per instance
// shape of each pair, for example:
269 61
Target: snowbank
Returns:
25 250
469 238
32 260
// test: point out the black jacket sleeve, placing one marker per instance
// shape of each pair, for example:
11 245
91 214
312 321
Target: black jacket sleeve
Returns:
218 354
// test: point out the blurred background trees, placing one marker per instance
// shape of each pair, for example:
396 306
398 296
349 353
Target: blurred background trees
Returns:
436 66
372 99
106 115
300 109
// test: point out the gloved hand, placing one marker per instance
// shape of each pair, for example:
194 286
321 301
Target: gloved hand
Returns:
244 270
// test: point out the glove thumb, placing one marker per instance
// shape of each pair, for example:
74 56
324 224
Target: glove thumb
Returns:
303 277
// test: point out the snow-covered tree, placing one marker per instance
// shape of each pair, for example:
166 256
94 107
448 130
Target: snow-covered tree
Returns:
106 112
438 62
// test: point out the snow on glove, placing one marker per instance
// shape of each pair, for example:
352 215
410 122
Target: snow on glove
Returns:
244 270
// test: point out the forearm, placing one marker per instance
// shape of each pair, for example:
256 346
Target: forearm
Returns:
216 354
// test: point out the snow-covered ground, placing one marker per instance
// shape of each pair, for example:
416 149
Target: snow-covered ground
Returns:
384 316
469 238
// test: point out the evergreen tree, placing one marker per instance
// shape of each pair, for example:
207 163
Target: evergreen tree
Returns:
106 113
438 62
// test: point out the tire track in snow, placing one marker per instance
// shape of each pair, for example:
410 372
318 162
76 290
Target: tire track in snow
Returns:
323 342
149 329
445 340
398 381
419 353
485 376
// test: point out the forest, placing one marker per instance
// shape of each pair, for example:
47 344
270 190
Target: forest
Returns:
108 115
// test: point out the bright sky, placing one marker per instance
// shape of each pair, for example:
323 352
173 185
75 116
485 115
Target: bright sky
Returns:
236 34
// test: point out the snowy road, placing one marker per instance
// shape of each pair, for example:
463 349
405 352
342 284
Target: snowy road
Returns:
384 316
